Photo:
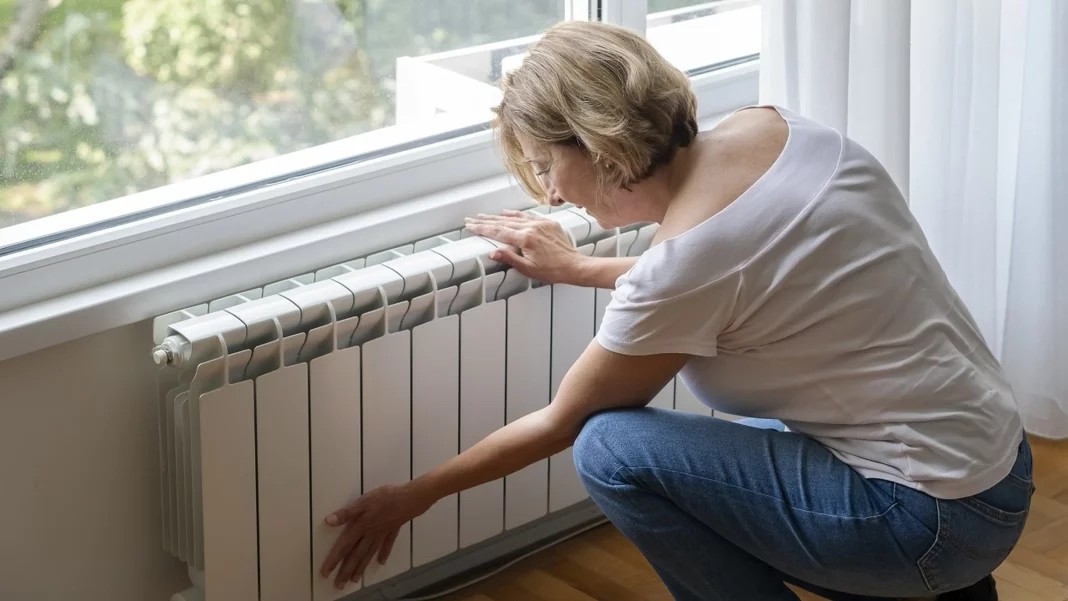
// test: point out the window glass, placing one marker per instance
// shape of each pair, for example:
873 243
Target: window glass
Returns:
698 35
104 98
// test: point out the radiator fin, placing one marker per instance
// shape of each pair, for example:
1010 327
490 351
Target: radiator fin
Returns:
336 454
284 479
529 328
436 427
572 330
227 436
482 363
387 433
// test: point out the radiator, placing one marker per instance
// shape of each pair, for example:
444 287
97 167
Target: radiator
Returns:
281 404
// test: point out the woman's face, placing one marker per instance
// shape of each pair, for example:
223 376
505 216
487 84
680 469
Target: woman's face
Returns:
566 174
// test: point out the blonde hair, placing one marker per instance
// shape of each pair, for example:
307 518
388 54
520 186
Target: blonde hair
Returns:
603 89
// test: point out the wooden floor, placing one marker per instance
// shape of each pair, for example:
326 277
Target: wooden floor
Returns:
602 565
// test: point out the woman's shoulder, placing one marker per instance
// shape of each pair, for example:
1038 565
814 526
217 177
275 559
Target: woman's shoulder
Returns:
729 161
753 133
755 121
745 147
731 165
758 171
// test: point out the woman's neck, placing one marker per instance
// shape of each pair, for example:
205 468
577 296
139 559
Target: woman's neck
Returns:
653 196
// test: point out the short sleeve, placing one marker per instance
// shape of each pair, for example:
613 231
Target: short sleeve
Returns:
658 309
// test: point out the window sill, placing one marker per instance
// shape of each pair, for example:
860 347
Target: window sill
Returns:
81 286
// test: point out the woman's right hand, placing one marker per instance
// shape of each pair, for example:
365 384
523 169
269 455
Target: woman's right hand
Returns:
542 249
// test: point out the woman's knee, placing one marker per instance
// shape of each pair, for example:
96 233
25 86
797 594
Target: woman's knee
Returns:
599 447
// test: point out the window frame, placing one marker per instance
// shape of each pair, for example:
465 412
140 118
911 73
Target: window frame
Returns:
231 241
632 14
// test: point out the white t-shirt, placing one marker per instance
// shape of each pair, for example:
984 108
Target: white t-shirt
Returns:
815 299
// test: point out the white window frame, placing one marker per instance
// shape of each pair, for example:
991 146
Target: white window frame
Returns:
131 272
632 14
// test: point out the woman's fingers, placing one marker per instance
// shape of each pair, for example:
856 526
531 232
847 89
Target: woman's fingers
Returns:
387 547
365 560
515 224
511 227
514 259
511 219
369 533
343 515
503 218
341 549
524 215
353 561
515 218
499 232
348 539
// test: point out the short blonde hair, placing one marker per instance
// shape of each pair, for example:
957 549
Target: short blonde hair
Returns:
603 89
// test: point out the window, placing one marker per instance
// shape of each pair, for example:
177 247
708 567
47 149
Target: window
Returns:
158 151
124 123
100 99
699 35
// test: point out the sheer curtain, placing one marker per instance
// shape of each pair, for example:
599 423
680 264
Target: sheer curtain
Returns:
966 103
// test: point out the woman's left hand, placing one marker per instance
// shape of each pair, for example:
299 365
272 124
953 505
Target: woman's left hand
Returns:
545 251
371 526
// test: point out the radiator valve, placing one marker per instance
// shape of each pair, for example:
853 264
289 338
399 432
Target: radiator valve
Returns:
167 353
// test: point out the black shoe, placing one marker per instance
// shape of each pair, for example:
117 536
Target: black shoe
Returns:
984 590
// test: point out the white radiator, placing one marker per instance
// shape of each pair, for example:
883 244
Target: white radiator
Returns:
281 404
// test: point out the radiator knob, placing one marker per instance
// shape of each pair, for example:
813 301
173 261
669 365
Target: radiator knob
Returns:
169 353
161 356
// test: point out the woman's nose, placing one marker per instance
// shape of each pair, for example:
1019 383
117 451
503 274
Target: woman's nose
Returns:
551 194
550 191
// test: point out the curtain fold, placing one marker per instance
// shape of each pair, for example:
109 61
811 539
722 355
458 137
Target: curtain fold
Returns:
1035 349
964 102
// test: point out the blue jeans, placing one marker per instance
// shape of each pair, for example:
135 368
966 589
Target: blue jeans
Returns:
727 511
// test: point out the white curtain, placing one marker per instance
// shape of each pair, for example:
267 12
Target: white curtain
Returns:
966 104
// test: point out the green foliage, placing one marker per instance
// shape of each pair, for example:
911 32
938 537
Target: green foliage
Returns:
418 27
143 93
49 121
222 44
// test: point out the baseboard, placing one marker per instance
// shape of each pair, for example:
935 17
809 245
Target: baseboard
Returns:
467 564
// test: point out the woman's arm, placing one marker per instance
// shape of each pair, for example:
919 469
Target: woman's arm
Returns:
598 272
545 251
598 381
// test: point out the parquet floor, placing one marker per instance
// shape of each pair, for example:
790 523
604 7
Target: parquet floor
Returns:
602 565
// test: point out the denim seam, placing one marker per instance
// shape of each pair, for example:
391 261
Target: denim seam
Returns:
760 494
1003 518
968 552
927 570
927 563
1026 482
945 536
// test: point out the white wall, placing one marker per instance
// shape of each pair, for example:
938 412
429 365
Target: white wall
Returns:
79 474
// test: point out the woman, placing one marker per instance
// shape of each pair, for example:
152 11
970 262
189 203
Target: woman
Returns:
787 281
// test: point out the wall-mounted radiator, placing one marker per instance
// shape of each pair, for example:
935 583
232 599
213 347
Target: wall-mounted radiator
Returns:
279 405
